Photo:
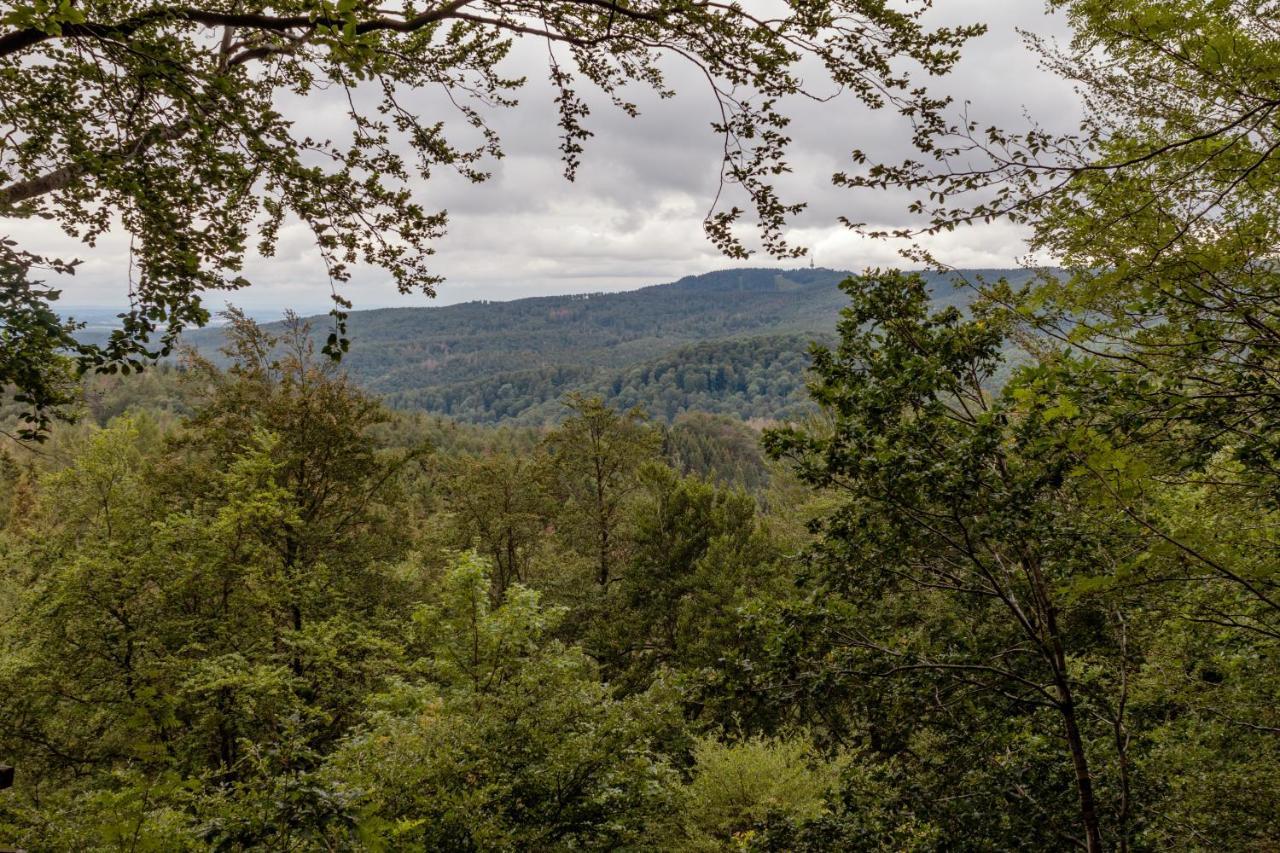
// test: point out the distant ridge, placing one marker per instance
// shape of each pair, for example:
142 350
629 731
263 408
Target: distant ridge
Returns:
732 341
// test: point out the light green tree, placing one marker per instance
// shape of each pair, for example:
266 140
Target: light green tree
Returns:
595 458
511 742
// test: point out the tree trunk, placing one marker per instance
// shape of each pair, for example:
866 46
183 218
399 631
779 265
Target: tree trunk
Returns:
1080 763
1056 657
603 578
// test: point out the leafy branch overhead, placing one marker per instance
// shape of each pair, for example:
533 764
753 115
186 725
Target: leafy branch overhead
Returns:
168 121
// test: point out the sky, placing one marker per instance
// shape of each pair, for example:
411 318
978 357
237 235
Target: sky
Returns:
634 215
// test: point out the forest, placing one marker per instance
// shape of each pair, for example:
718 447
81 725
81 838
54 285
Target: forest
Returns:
251 607
732 341
993 564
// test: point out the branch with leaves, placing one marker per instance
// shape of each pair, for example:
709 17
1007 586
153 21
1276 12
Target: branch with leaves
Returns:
167 121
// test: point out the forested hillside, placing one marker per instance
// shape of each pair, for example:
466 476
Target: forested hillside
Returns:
734 341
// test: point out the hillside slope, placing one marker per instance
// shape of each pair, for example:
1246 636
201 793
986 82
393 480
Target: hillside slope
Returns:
733 342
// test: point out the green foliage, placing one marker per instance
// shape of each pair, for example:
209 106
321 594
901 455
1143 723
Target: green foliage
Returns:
246 629
498 508
594 466
960 508
1156 354
697 555
719 448
1029 602
736 787
34 347
513 744
204 611
292 619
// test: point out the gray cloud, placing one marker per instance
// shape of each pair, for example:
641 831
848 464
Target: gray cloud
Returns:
633 216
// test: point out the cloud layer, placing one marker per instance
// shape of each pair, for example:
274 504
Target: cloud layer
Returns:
633 216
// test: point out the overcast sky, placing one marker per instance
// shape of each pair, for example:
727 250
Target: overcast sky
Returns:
633 217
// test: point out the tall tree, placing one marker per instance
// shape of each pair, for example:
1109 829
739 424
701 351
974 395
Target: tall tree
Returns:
201 615
334 474
595 461
960 506
500 510
697 555
1164 322
512 742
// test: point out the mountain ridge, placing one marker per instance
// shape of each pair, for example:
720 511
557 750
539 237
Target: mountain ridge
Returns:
662 346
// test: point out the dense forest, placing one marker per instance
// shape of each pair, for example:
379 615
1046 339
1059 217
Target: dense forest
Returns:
733 341
250 607
991 563
750 378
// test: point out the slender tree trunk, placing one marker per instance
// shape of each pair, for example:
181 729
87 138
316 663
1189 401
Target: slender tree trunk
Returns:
295 606
1122 736
1056 657
1123 819
226 739
603 578
602 520
1080 764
